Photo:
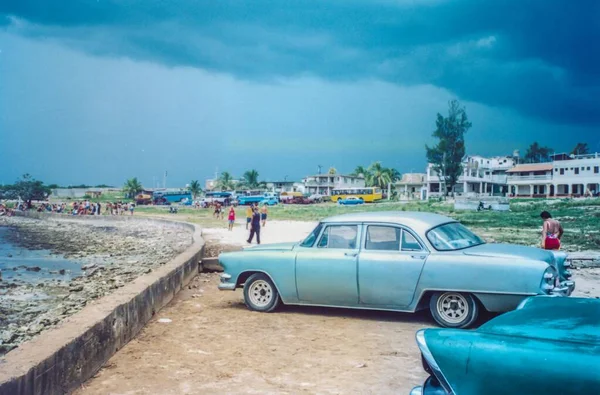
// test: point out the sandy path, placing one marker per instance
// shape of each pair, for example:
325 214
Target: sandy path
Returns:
215 345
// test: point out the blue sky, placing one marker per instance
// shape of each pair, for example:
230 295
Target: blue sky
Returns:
96 91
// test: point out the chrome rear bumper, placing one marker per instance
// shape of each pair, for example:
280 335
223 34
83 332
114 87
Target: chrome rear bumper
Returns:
566 288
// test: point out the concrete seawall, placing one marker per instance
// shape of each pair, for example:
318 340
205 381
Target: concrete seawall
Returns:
62 358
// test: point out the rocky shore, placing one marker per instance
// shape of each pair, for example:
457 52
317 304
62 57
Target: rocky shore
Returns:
109 254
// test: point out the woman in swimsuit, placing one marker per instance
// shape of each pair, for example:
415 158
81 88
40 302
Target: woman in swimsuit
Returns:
552 231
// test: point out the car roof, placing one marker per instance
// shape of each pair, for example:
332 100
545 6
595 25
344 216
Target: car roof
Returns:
416 220
561 319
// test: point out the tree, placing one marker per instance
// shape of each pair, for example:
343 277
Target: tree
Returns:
395 175
28 189
446 157
581 149
380 176
251 179
225 181
195 188
132 187
332 171
536 153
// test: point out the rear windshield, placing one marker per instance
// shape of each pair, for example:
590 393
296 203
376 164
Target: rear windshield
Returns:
452 236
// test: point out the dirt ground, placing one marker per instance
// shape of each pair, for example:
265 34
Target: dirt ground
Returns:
214 344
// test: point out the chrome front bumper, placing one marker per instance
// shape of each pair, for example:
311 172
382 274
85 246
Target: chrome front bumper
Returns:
429 388
225 285
565 288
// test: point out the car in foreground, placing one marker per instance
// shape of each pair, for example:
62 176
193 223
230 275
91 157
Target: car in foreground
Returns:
546 346
350 200
398 261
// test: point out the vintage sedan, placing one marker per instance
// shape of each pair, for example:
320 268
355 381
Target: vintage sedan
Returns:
399 261
546 346
351 200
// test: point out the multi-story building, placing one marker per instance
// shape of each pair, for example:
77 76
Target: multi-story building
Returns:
324 183
481 177
566 175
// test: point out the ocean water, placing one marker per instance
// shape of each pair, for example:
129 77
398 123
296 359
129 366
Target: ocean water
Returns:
15 260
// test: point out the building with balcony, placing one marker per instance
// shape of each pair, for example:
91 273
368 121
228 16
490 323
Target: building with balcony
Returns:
566 175
323 183
481 177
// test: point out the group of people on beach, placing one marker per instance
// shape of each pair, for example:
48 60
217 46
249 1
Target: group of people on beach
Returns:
84 207
5 211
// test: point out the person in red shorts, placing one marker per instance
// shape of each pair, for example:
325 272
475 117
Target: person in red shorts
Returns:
552 231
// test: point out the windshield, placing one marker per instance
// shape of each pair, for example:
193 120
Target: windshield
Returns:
452 236
312 237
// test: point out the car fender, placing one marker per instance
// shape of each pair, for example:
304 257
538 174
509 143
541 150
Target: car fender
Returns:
277 264
485 277
476 363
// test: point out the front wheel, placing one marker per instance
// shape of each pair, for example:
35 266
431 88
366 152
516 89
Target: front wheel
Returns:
260 293
453 309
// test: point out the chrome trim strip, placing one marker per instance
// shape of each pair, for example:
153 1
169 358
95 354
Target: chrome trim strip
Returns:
420 336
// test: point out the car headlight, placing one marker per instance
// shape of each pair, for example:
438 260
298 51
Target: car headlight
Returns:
431 363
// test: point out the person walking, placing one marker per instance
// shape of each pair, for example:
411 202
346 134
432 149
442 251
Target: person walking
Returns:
99 209
263 214
248 215
254 226
231 217
552 231
131 208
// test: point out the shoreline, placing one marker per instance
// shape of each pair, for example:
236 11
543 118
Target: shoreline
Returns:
110 254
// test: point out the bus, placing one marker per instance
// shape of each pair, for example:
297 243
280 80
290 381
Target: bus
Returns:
167 197
367 194
222 197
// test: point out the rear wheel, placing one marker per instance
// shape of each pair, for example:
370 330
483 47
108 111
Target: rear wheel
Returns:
453 309
260 293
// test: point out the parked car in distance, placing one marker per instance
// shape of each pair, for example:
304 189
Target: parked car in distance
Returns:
271 201
547 345
316 198
351 200
399 261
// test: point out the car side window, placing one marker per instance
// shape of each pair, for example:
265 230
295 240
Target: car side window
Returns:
339 236
382 238
409 242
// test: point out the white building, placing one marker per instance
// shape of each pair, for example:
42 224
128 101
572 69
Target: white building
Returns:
324 183
412 186
481 177
285 186
565 176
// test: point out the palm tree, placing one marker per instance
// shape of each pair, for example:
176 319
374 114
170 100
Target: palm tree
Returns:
395 175
380 176
225 181
361 171
195 188
132 187
332 170
251 179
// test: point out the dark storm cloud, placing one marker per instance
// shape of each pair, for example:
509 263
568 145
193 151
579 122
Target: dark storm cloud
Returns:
539 57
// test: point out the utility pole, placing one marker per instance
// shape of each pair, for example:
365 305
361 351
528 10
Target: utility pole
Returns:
165 180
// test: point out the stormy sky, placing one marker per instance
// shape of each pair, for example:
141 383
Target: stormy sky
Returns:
97 91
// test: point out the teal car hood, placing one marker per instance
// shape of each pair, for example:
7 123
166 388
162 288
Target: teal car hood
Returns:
272 247
551 318
547 340
511 251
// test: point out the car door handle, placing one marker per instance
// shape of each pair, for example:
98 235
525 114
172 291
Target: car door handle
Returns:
417 256
352 254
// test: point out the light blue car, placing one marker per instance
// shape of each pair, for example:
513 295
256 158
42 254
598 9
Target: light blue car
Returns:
272 201
399 261
351 200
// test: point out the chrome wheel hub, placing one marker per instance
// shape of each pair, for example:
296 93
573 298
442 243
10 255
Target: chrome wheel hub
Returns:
452 307
260 293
